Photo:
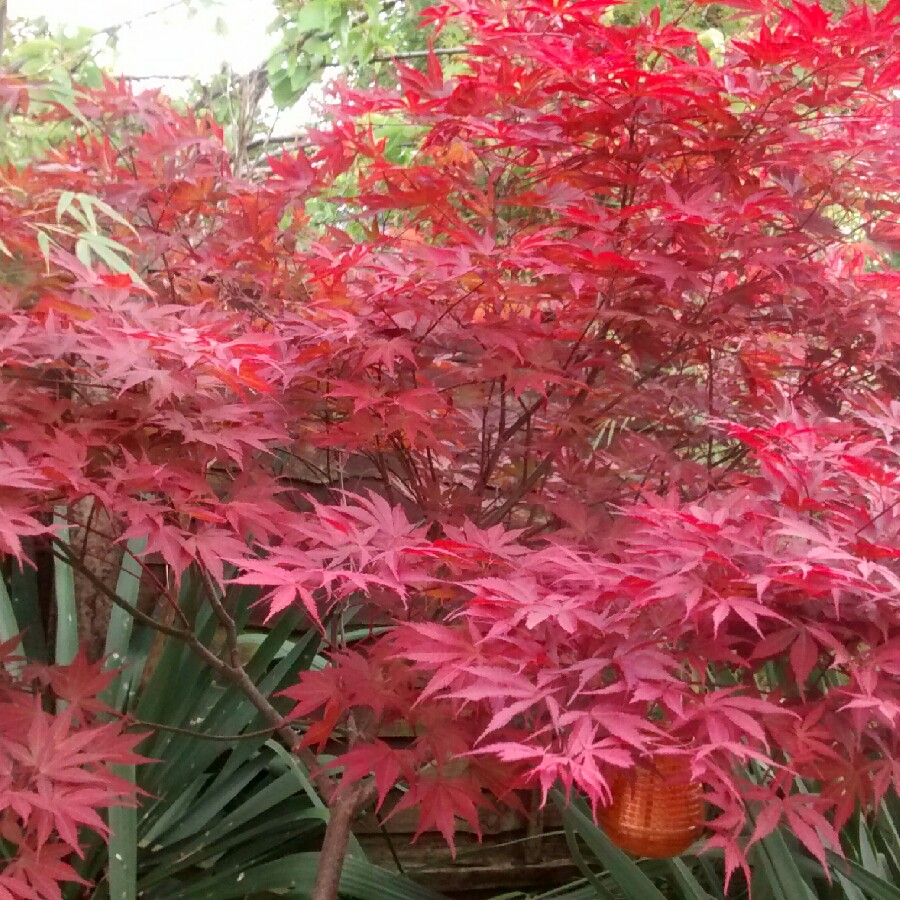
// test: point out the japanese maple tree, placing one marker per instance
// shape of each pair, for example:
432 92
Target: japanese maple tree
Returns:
593 404
621 343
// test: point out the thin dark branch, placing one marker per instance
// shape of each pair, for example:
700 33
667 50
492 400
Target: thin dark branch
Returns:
391 848
157 77
201 735
275 141
68 557
420 54
226 620
235 675
127 23
541 469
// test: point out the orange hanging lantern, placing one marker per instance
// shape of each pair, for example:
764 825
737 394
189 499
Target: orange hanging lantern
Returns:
656 811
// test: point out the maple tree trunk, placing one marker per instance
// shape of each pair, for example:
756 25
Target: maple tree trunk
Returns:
342 809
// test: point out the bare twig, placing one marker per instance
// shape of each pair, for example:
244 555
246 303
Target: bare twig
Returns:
420 54
157 77
68 557
280 141
201 735
149 14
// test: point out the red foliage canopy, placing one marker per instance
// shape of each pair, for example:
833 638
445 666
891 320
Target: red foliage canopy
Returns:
616 352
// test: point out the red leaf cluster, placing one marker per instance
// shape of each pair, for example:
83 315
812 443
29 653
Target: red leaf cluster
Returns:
55 770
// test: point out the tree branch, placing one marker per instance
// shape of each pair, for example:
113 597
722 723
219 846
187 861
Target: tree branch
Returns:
236 675
342 809
420 54
149 14
201 735
342 804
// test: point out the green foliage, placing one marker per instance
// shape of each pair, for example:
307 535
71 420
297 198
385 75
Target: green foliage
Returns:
222 802
225 811
361 37
41 52
53 61
222 798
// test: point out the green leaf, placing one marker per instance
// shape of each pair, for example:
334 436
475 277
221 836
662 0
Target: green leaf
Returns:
108 251
634 884
23 595
851 891
254 843
44 244
688 885
316 16
143 640
713 878
299 771
261 841
66 611
283 93
888 838
107 210
259 802
301 78
169 809
162 686
123 845
364 881
100 241
293 876
83 252
84 201
782 868
9 626
206 810
121 623
63 204
868 854
232 712
600 891
277 65
874 887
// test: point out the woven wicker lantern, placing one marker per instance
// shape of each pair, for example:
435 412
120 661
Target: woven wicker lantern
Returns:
656 811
